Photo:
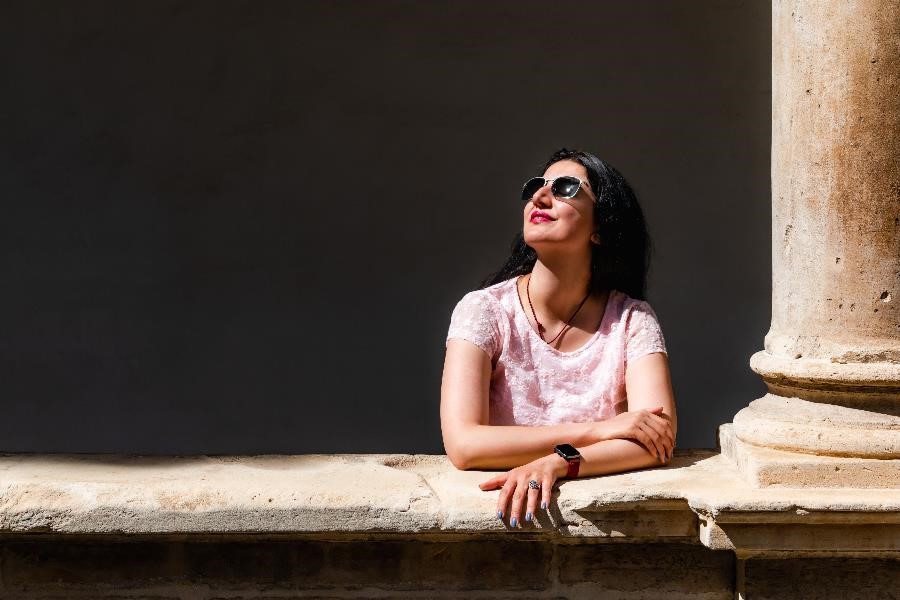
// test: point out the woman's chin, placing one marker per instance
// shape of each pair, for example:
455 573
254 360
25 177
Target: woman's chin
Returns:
548 246
534 237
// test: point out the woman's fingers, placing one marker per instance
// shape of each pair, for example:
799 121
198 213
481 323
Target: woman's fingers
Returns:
493 482
665 435
666 423
658 429
517 494
546 492
518 499
503 500
656 446
638 433
534 496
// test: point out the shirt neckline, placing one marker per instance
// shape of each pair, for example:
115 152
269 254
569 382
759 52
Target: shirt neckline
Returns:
520 313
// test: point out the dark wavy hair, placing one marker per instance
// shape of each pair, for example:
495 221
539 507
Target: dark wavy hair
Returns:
622 259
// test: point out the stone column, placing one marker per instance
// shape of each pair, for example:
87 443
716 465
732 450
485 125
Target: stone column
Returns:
832 356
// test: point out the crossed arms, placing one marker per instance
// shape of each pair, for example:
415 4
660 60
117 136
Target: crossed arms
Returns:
643 436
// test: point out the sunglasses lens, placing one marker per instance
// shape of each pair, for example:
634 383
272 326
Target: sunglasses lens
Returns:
565 187
531 186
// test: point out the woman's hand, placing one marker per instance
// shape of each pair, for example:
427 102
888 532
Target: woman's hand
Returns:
514 486
651 428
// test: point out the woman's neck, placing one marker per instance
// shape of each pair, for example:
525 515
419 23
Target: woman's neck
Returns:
557 287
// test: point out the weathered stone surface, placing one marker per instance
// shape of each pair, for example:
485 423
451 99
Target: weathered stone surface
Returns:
816 428
295 564
489 567
835 200
666 570
409 494
105 493
384 566
831 360
821 579
870 386
762 467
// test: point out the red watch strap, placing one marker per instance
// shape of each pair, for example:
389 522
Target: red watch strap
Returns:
573 468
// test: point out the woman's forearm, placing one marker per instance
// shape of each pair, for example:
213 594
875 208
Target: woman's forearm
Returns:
510 446
613 456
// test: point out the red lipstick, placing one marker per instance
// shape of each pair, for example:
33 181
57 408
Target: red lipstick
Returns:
539 216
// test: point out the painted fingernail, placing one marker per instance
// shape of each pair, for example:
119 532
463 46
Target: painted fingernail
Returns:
528 517
543 505
499 514
512 522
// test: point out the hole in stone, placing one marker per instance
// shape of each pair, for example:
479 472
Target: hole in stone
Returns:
885 296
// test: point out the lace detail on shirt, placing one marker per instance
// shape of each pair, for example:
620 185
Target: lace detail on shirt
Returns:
644 334
534 384
475 319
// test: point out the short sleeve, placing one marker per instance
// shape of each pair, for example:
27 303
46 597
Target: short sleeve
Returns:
643 334
475 319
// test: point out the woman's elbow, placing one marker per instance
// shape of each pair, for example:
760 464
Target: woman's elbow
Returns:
458 459
456 453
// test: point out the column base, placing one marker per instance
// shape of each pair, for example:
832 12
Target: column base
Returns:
765 467
797 425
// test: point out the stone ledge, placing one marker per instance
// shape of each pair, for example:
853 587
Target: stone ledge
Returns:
696 498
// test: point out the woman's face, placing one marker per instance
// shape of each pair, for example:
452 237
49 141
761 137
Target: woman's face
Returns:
571 219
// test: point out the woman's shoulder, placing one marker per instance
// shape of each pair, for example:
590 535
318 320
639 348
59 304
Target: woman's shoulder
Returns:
624 308
629 303
642 329
490 295
501 287
480 318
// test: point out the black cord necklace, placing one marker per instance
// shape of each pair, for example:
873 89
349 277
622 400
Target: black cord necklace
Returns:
541 328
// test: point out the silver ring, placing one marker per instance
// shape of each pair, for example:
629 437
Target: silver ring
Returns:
534 485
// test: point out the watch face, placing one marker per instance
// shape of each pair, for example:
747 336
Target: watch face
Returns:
567 451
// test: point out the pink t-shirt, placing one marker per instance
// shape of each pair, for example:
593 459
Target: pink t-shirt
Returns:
533 383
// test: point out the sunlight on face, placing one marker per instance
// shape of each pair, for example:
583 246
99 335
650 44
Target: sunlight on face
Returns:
569 222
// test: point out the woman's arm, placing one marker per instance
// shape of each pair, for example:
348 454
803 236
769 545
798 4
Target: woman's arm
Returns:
644 436
469 441
648 385
613 456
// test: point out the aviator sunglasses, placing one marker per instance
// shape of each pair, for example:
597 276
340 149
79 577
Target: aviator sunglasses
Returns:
565 186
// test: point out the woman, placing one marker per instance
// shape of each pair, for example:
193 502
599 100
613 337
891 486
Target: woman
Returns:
557 366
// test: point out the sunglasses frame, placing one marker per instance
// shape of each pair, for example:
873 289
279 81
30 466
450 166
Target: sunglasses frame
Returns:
550 182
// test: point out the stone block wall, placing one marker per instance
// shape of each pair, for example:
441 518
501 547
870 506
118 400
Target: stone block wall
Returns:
389 566
511 566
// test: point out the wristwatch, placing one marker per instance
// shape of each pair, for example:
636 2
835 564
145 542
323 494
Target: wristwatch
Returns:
572 456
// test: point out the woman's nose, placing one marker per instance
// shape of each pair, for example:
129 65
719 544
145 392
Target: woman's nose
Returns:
543 197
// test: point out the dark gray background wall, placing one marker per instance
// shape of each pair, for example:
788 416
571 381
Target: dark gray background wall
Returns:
242 226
